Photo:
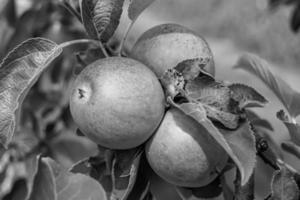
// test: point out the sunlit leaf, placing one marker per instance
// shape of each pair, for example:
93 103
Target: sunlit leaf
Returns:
260 68
18 72
136 7
101 17
283 185
239 144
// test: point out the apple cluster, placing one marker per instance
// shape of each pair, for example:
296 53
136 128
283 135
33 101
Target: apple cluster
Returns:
119 103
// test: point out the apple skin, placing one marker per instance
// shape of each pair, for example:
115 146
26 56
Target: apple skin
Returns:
183 153
117 102
164 46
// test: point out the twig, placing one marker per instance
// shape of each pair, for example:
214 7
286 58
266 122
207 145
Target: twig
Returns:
267 161
71 10
100 44
124 38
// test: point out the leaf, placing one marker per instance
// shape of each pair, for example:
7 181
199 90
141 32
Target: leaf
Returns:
173 82
139 187
12 169
123 179
136 7
54 182
260 68
242 153
247 96
295 18
44 183
283 185
210 191
186 80
124 172
101 17
216 99
242 143
257 121
291 148
18 72
293 127
245 192
18 192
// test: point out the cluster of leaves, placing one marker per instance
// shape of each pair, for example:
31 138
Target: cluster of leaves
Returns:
295 14
35 120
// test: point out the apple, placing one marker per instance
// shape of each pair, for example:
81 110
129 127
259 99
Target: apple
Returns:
117 102
183 153
164 46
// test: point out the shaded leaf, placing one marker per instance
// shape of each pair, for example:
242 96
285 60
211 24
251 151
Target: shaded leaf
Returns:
12 169
54 182
283 185
242 143
101 17
136 7
211 191
19 191
120 180
245 192
257 121
247 96
44 183
236 143
124 172
295 18
173 82
139 185
293 127
18 72
291 148
260 68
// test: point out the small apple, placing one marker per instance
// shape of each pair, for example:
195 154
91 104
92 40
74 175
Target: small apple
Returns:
117 102
183 153
164 46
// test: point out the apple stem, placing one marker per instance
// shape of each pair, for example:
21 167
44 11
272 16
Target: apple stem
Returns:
124 38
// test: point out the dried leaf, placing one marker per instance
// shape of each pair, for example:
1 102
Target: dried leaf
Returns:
18 72
101 17
247 96
136 7
260 68
215 98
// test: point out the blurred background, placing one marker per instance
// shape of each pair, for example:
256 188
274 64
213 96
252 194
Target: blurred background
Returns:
231 28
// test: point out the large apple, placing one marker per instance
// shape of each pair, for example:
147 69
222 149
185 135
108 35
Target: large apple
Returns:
164 46
183 153
117 102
